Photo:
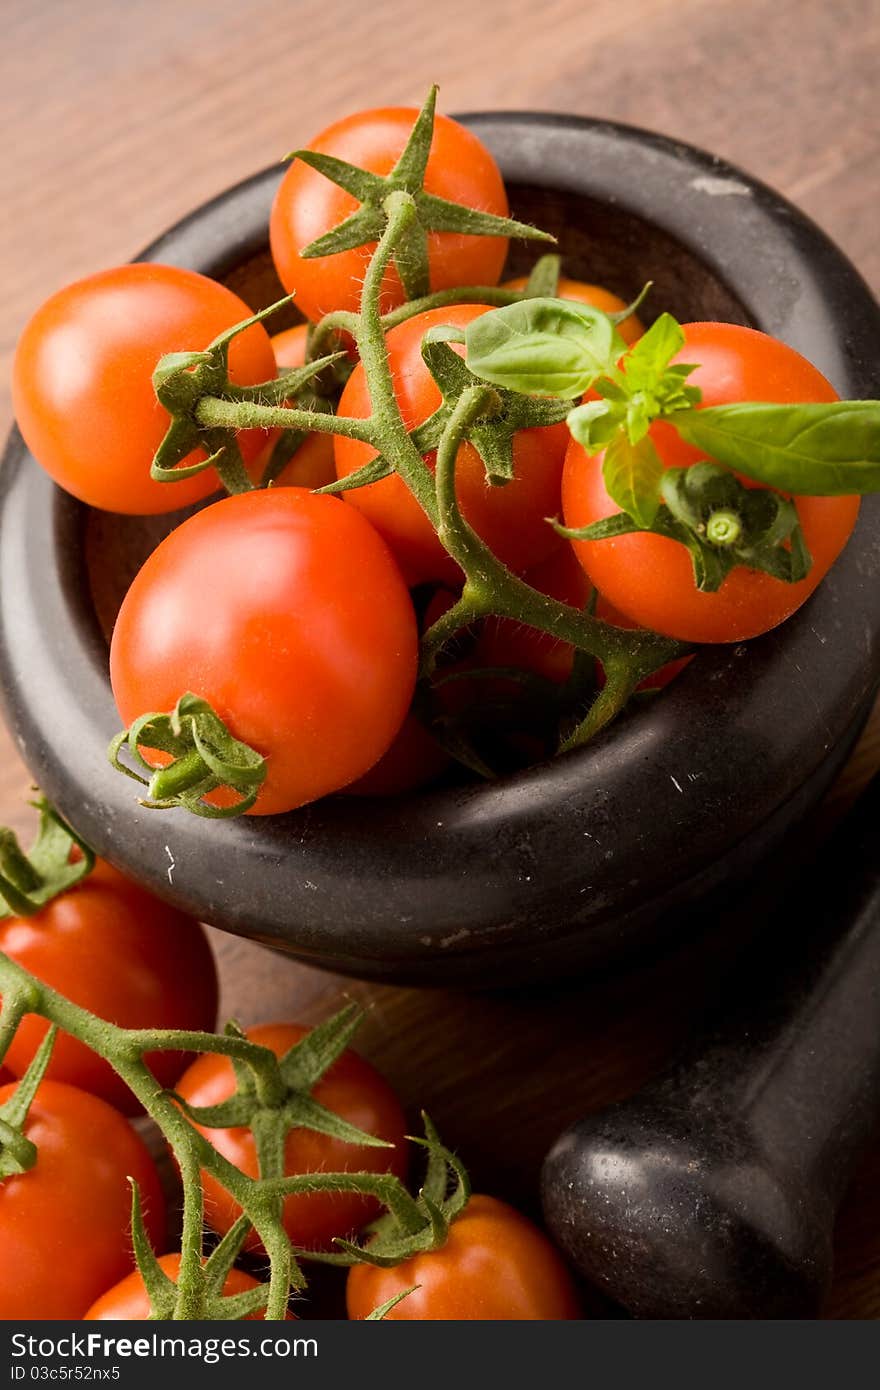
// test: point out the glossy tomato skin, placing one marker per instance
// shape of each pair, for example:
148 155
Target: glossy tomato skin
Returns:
510 518
496 1266
630 328
113 948
307 205
353 1089
648 578
64 1225
82 380
129 1301
312 465
287 613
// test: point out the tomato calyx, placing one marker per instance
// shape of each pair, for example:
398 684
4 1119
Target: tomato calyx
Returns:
183 380
722 523
433 214
29 881
18 1154
204 758
277 1097
411 1224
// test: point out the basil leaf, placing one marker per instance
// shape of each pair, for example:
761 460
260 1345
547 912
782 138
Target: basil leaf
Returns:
822 450
587 422
632 474
543 347
648 358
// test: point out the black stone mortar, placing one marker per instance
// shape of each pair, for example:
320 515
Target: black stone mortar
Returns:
571 863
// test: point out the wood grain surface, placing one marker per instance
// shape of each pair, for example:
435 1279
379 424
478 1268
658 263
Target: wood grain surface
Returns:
119 116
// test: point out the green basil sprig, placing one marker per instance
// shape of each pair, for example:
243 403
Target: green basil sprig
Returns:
553 347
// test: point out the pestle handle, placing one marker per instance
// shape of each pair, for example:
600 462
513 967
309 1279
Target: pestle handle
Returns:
713 1191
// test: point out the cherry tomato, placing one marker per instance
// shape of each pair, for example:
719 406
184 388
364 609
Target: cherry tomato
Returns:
128 1301
113 948
510 518
351 1088
64 1224
495 1266
630 329
286 612
82 380
649 578
307 205
312 465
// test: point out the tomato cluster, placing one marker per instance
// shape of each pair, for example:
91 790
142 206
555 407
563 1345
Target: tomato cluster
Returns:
268 652
75 1196
286 613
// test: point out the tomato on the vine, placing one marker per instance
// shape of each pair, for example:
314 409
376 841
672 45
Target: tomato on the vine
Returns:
494 1266
82 380
630 328
351 1088
119 952
307 205
128 1301
649 578
64 1224
510 518
287 613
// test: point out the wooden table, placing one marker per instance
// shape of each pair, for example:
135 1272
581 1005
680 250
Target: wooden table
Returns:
120 117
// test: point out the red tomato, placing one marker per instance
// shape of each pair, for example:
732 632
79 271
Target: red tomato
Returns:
597 297
286 612
503 642
351 1088
307 205
510 518
128 1300
312 465
64 1225
82 380
116 950
649 578
496 1266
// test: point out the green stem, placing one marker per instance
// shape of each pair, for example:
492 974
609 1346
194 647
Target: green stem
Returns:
189 1303
15 865
620 681
216 412
492 589
19 999
179 776
386 421
494 295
